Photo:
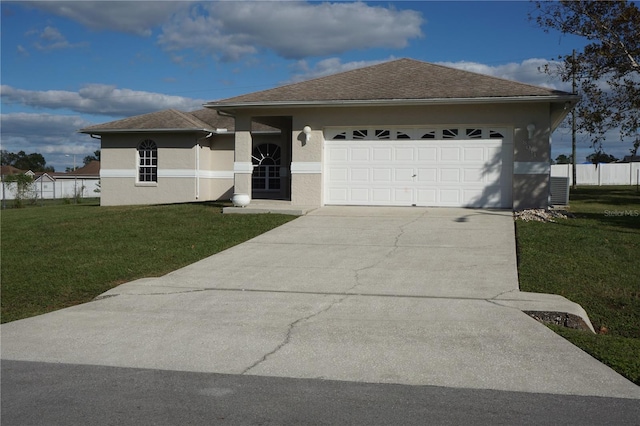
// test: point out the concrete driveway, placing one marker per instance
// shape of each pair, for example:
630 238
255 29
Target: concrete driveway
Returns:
383 295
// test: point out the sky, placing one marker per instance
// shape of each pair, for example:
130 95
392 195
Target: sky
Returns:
66 65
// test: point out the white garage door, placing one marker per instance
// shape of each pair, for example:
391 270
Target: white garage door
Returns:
461 167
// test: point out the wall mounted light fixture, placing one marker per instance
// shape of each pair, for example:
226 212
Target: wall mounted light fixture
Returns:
307 133
531 128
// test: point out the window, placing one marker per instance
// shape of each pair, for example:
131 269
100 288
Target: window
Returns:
341 135
449 133
360 134
147 161
411 133
474 133
429 134
383 134
495 134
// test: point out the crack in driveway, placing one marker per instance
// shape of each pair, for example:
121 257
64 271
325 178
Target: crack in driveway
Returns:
290 329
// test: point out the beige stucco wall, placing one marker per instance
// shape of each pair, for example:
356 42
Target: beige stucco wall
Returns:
530 183
190 168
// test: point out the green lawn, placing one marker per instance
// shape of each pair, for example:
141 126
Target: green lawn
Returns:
594 260
61 255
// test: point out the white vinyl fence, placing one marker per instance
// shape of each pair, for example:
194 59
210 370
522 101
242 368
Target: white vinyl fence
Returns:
604 174
60 188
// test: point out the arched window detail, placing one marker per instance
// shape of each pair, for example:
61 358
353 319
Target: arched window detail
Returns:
341 135
474 133
429 134
147 161
383 134
449 133
266 167
360 134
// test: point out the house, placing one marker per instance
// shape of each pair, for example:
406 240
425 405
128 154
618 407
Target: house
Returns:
170 156
49 185
402 133
83 182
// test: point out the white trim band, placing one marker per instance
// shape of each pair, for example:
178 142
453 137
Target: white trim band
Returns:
176 173
531 168
216 174
169 173
242 167
306 167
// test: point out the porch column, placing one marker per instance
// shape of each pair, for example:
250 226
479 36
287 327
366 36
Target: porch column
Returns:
306 164
242 166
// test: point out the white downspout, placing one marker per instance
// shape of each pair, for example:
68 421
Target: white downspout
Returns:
198 164
197 169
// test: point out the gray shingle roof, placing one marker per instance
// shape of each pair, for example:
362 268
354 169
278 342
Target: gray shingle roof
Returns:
402 79
169 119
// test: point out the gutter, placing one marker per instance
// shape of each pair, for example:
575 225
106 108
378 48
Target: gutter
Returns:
107 131
390 102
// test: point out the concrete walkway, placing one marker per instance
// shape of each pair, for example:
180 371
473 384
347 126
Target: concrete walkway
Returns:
384 295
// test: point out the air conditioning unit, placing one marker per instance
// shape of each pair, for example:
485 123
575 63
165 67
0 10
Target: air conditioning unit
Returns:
559 191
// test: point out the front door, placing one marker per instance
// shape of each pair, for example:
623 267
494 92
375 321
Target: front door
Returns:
265 180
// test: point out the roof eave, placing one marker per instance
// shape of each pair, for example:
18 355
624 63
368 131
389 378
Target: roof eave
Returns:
107 131
394 102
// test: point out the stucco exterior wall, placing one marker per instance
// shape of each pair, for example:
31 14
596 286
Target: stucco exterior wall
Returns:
190 168
530 154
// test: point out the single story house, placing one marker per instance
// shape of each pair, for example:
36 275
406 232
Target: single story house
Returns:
83 182
400 133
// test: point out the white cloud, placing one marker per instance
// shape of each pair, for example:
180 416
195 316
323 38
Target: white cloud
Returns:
529 71
293 30
136 17
231 30
326 67
51 135
99 99
50 38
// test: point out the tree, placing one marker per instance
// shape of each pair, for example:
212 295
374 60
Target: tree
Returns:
34 161
601 157
563 159
608 69
23 188
90 158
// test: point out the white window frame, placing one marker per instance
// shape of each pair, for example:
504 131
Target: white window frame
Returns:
147 163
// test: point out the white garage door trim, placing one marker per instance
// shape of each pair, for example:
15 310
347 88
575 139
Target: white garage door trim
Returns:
454 167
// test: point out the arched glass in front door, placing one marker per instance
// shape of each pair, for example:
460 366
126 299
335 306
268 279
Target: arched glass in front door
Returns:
266 167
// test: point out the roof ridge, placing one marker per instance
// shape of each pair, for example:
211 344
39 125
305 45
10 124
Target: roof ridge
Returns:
191 119
401 79
319 78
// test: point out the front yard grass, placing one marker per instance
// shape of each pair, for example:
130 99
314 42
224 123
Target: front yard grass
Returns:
592 259
62 255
